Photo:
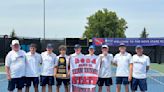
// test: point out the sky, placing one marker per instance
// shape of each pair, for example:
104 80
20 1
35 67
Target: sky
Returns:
67 18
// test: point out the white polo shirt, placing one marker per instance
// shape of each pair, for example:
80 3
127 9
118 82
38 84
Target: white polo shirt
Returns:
105 65
16 62
92 56
67 61
139 66
122 61
33 62
48 64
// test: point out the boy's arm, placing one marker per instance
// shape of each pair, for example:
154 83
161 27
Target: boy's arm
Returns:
7 66
56 67
114 61
148 64
130 71
68 73
55 71
7 69
147 68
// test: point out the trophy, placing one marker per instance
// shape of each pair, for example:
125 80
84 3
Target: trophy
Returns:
61 68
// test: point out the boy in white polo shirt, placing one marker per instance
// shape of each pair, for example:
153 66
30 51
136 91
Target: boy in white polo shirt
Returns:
48 66
15 67
138 70
66 79
105 72
122 61
33 60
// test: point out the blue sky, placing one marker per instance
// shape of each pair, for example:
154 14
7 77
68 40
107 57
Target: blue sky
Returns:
67 18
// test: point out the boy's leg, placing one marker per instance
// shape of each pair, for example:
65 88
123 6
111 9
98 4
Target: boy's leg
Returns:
118 88
127 88
66 88
11 85
107 88
108 83
36 88
27 83
66 84
100 83
134 84
118 83
126 83
19 90
20 83
58 84
49 88
27 89
50 83
36 83
43 88
100 88
143 85
43 82
57 88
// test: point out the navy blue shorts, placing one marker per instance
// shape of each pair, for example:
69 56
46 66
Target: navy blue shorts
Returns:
59 81
122 80
107 81
138 82
29 80
49 80
16 82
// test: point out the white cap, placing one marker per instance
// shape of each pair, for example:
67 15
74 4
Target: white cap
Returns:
104 46
14 42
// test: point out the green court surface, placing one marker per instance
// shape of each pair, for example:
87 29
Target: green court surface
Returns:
158 67
2 69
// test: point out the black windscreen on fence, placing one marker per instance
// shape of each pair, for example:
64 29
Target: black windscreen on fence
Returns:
156 53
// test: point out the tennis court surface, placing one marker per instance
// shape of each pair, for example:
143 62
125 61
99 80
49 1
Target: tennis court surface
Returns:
155 83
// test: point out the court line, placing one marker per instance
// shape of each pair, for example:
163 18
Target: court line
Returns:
161 83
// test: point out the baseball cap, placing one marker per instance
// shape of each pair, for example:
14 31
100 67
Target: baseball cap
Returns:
62 47
77 46
91 47
14 42
104 46
139 46
122 44
33 45
49 46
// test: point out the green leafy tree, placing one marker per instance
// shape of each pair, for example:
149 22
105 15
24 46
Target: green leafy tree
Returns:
105 23
144 34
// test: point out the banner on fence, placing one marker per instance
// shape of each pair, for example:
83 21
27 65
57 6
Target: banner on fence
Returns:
129 41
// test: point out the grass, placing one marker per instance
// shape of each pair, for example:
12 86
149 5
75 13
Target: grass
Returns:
158 67
155 66
2 69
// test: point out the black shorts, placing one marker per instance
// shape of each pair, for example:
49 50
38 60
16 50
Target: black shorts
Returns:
138 82
107 81
59 81
49 80
122 80
16 82
29 80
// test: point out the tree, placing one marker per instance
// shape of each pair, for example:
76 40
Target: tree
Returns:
144 34
105 24
13 34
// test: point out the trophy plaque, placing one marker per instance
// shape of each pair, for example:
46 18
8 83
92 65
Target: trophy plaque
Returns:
61 68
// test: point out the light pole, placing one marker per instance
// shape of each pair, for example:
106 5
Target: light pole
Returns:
44 24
